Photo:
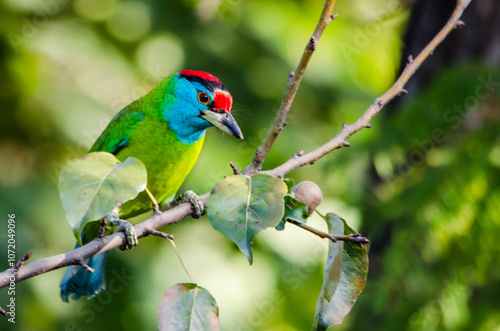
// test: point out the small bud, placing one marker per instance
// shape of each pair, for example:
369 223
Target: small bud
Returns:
308 193
312 43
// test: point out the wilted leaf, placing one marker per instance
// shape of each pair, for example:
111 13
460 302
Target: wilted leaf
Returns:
94 185
239 207
345 277
187 307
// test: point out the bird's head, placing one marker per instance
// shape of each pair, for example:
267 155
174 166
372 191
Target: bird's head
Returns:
200 100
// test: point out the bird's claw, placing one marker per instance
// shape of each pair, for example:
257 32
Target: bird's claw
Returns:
194 199
125 227
130 235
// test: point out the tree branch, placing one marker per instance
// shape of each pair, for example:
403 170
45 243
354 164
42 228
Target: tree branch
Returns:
98 245
364 121
294 80
176 214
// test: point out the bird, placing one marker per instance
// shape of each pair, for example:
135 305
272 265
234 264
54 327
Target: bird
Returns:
165 130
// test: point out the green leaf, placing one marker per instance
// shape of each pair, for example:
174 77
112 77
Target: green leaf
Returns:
239 207
294 210
290 183
345 277
94 185
188 307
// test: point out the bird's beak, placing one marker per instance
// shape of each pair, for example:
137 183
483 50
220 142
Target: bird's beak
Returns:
224 121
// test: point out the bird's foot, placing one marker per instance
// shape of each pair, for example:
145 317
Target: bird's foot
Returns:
194 199
125 227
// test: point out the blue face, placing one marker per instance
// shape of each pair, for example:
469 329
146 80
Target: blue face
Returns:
183 114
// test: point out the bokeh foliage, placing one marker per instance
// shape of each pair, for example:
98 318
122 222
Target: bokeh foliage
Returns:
423 184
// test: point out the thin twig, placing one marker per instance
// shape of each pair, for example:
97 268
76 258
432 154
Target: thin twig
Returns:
161 234
294 80
235 168
85 266
355 238
364 121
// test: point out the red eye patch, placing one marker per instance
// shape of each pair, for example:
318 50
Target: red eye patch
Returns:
222 100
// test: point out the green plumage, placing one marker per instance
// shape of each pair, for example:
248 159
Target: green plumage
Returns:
139 131
165 130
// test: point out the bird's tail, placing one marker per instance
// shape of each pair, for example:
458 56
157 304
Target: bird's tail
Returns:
78 282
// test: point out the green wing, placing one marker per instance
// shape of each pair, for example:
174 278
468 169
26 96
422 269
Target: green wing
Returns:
117 134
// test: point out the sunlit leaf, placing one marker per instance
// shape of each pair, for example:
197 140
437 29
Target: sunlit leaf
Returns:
94 185
344 279
188 307
239 207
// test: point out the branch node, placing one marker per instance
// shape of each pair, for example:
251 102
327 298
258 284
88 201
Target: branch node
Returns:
403 91
235 168
102 228
21 261
346 144
3 312
85 266
344 126
459 24
291 74
298 155
312 44
283 125
410 59
333 16
379 103
368 126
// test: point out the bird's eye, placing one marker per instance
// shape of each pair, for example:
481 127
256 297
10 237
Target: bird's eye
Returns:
203 98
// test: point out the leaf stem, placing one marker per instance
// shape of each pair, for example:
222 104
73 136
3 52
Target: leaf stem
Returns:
180 260
170 239
156 208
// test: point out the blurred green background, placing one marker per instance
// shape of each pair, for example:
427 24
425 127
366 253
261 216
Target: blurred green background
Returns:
423 184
